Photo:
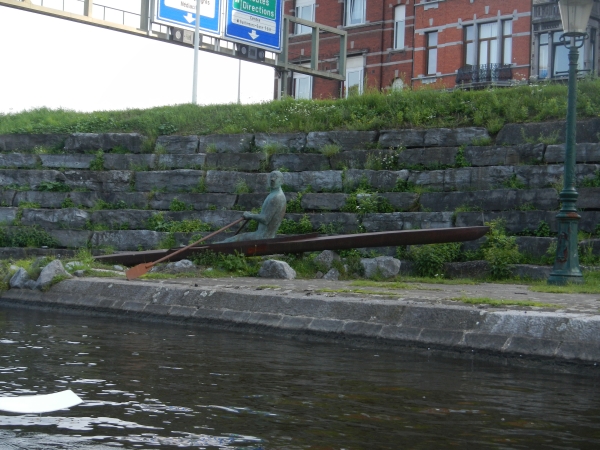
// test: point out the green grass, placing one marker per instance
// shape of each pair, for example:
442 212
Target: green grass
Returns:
590 285
381 284
373 110
497 302
358 291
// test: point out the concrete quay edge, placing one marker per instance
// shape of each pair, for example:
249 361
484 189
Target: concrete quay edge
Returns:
572 337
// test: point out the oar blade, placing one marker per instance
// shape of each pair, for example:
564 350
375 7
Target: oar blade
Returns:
138 271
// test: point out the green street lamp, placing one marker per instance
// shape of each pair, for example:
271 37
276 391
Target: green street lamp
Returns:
574 15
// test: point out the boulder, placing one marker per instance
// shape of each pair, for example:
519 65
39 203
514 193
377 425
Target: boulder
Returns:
19 279
326 258
184 265
385 266
332 275
272 268
51 271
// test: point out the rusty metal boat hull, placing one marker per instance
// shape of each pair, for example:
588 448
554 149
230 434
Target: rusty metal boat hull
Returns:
310 243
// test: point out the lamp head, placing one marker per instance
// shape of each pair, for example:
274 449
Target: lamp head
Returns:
575 15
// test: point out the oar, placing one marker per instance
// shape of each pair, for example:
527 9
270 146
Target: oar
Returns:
141 269
242 227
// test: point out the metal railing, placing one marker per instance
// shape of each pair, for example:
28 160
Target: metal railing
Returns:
484 74
100 12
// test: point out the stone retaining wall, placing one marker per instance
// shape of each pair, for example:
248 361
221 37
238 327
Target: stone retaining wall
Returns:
427 178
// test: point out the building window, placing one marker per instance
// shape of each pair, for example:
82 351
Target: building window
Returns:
302 86
553 56
469 38
305 9
488 43
355 72
543 56
399 26
355 12
507 42
431 51
560 57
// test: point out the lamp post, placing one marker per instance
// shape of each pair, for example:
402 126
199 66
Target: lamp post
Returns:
574 15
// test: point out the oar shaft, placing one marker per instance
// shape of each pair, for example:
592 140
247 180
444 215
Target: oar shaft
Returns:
170 255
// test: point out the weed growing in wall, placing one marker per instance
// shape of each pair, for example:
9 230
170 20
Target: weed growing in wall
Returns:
178 205
53 186
289 226
593 181
98 162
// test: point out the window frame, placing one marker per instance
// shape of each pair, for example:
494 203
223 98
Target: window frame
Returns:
355 64
399 27
348 13
431 53
466 43
298 77
506 42
302 5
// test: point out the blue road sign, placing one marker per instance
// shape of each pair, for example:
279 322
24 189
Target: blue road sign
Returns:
255 22
182 13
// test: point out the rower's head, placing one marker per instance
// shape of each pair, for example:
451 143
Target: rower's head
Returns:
275 179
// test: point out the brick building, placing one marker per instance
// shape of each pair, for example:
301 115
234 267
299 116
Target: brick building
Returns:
465 43
379 51
471 42
549 57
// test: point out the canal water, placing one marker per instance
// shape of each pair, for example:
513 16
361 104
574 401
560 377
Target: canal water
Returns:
149 385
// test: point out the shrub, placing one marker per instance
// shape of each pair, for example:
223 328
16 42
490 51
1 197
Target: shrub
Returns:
289 226
429 259
500 250
25 236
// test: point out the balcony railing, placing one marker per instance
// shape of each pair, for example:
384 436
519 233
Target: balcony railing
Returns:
484 74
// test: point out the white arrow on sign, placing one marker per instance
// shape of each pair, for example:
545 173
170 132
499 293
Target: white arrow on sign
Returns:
253 34
189 17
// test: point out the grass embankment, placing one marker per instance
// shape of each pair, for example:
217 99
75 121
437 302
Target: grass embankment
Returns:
490 108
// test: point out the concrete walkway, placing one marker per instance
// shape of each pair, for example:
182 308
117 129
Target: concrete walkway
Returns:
423 315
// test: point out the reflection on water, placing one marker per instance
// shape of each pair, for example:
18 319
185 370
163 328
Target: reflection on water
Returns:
149 385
